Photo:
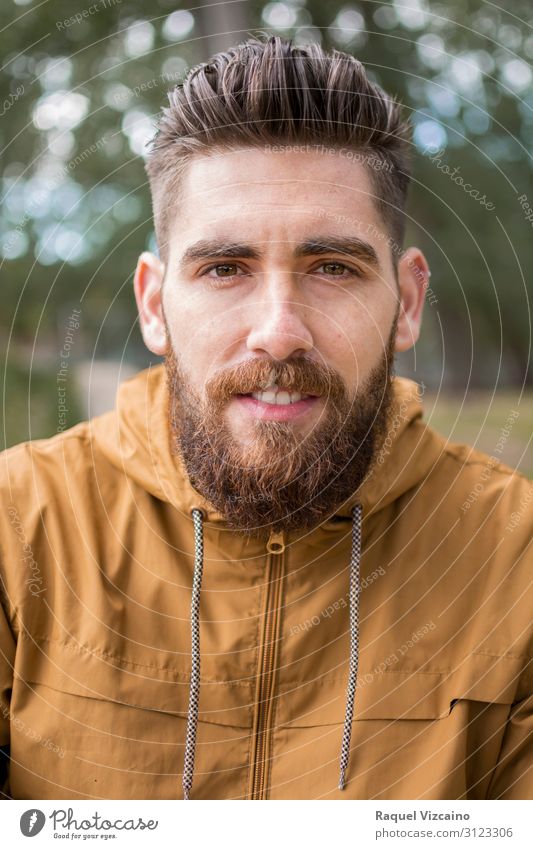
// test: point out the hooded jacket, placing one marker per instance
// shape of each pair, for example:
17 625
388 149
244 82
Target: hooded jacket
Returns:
148 651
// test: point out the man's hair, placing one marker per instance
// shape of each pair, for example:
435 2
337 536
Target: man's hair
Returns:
267 91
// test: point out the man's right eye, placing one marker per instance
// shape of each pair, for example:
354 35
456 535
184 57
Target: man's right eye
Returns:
223 272
223 269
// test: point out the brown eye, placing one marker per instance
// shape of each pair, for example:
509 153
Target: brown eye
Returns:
334 268
338 269
225 269
224 274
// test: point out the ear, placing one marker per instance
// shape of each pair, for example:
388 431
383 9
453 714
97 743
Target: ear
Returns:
413 280
148 287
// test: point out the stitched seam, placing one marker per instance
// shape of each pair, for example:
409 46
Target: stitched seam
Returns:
507 655
94 653
501 468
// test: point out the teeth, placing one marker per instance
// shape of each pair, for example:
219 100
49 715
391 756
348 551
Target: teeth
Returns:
275 396
267 397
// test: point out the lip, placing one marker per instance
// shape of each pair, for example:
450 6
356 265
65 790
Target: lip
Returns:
277 412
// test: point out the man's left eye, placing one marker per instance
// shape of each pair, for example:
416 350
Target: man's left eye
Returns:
336 269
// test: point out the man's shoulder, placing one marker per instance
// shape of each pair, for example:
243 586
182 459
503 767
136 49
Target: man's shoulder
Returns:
478 489
478 524
463 463
56 444
66 454
473 458
48 491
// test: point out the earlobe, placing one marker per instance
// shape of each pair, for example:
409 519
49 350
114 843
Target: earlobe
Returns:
148 287
413 279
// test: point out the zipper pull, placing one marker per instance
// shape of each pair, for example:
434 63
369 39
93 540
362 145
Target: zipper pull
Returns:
276 543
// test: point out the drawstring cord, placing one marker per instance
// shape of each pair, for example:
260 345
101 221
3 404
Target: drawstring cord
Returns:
354 641
194 694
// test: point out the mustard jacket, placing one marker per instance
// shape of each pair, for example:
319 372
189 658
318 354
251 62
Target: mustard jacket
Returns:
101 532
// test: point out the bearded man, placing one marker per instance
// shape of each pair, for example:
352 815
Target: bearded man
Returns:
256 578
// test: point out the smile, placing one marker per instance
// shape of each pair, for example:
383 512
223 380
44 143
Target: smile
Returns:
274 395
274 403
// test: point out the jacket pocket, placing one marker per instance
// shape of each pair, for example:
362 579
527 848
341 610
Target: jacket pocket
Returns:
88 725
402 693
93 674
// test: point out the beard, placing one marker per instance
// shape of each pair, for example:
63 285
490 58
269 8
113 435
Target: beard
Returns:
277 479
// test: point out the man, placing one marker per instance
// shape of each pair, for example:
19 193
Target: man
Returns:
263 576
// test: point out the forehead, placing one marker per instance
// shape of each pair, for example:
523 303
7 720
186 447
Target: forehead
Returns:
287 189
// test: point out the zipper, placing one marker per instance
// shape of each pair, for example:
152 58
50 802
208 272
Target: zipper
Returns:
267 666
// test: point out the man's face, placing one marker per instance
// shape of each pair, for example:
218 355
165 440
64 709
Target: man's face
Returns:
279 317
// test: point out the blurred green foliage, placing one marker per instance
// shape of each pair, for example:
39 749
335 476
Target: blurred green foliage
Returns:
32 404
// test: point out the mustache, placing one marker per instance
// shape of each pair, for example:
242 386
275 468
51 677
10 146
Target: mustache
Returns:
299 375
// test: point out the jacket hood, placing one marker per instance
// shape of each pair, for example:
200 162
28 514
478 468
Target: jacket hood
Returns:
134 437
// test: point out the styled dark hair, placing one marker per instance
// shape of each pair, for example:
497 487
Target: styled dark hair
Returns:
267 91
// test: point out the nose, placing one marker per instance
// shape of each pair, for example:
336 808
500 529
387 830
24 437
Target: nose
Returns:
278 326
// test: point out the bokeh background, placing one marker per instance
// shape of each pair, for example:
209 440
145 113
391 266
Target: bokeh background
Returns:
81 87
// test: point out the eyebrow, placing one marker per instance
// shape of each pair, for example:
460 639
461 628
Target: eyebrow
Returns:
352 246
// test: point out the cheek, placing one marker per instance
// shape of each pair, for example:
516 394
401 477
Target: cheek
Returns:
203 337
354 340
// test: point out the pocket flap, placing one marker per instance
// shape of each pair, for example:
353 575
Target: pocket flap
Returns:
402 693
90 674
